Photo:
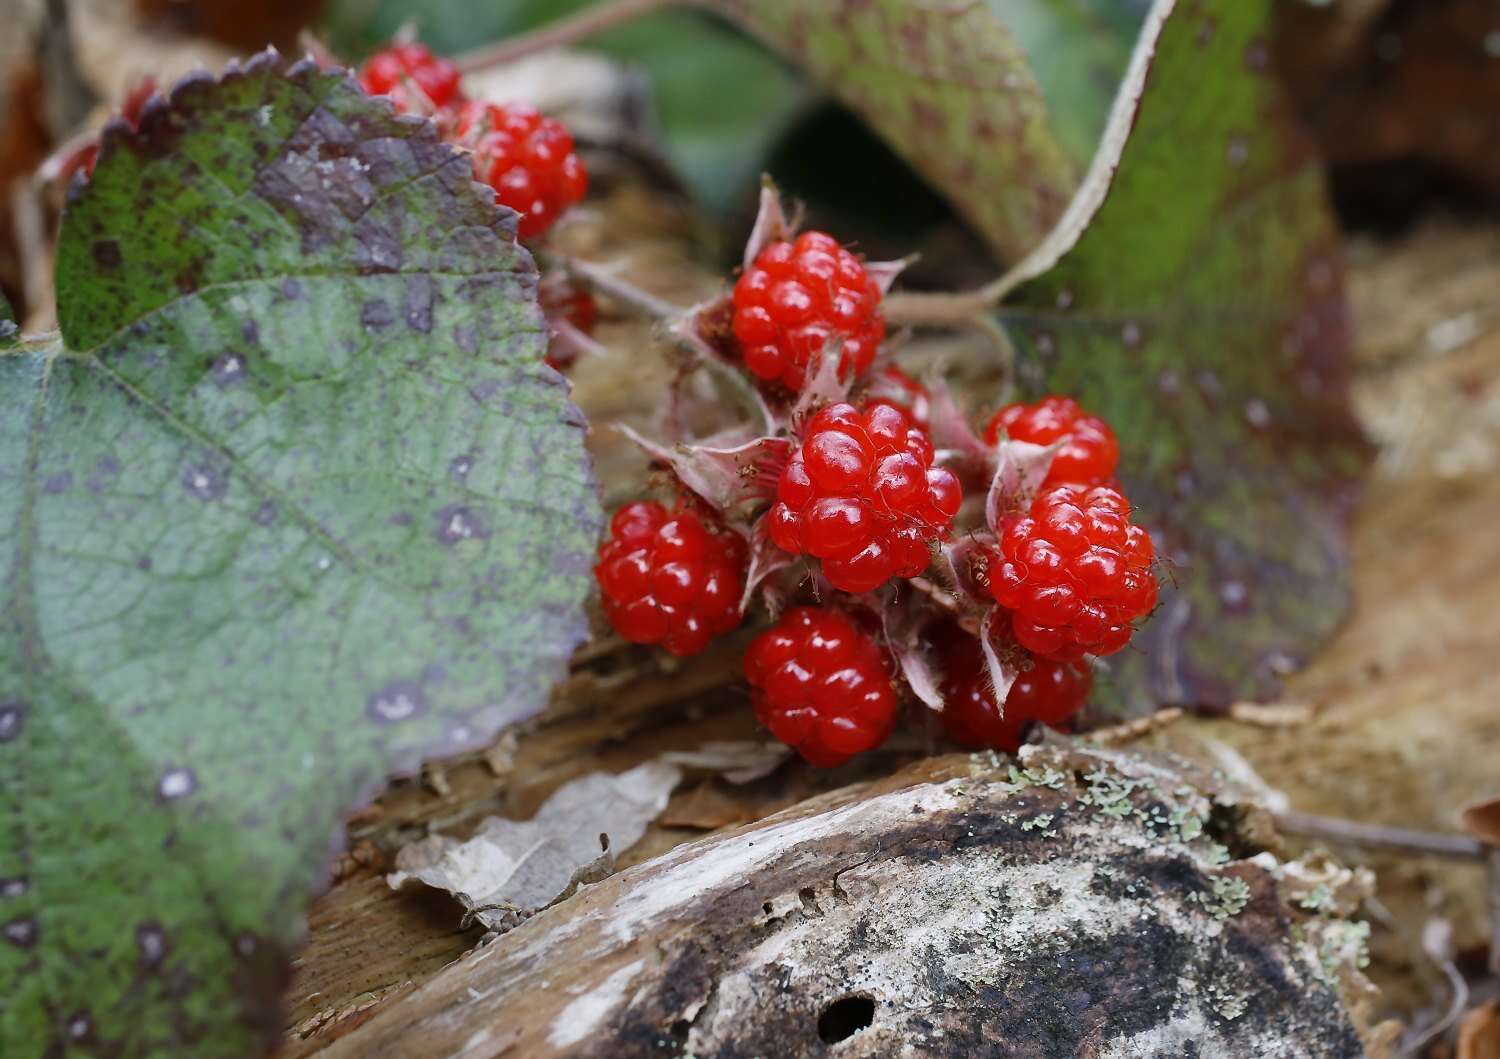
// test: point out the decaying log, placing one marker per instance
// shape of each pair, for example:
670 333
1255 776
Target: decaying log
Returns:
1092 903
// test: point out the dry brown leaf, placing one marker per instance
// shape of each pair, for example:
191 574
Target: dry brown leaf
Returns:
1479 1034
512 868
1482 820
708 807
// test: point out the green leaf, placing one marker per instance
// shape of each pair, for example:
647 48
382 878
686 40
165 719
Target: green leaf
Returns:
8 330
1202 313
948 88
297 504
722 100
1078 50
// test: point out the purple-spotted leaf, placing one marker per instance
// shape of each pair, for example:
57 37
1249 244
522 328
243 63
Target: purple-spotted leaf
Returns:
294 502
1201 312
948 87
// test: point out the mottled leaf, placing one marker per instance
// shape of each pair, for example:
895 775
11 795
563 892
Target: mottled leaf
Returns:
1202 313
297 504
947 86
1078 50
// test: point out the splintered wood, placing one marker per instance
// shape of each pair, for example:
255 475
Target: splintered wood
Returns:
1079 904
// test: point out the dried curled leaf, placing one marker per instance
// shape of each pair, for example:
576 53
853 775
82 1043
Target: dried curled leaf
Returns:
510 869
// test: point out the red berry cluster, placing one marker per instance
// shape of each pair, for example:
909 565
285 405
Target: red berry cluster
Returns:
1048 692
798 298
526 158
1089 451
862 491
861 494
670 578
1074 572
417 81
821 685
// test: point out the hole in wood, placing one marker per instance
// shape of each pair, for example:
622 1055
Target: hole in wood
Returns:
845 1017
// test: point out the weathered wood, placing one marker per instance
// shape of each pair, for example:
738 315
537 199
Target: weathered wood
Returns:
1077 907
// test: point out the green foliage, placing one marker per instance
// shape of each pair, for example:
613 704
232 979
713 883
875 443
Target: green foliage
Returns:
296 503
1202 313
1077 49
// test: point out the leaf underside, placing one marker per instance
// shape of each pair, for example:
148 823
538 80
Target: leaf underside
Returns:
948 88
1202 313
297 504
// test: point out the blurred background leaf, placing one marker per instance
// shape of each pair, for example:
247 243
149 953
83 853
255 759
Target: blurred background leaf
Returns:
1077 50
1203 314
721 99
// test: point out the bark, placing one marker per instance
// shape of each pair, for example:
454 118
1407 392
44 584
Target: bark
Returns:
1093 903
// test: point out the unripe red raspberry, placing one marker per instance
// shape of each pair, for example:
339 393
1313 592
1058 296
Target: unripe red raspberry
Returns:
417 81
821 685
669 578
797 298
527 158
1087 457
862 495
1075 573
1049 692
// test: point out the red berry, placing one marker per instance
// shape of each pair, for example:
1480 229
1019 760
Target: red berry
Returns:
795 299
821 685
1049 692
415 79
670 578
1075 573
527 158
1087 457
862 495
895 387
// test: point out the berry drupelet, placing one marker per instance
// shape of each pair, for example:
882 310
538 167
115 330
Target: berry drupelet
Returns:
527 158
670 578
1089 452
1074 572
1049 692
417 81
798 297
821 685
862 495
